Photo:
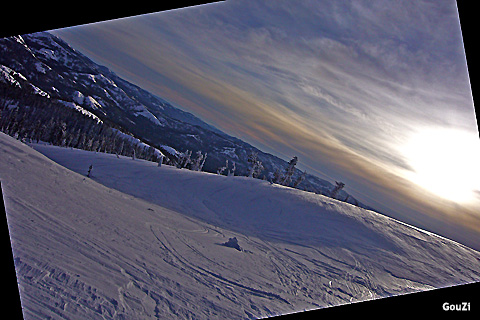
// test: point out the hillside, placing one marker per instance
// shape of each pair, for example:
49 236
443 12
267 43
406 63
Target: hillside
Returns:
140 241
56 74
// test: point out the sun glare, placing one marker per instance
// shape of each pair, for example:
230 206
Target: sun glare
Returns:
445 162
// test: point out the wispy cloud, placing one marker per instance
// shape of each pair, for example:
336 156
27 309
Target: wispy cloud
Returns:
343 83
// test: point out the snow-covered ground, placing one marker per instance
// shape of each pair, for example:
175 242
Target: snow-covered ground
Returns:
138 241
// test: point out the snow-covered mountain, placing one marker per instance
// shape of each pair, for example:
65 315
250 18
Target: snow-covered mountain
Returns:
58 72
138 241
66 74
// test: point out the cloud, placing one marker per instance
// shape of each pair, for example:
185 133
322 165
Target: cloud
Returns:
341 83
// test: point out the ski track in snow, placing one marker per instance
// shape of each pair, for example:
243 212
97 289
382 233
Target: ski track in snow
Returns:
140 242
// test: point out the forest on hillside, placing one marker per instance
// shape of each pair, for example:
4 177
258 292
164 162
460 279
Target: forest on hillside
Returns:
28 116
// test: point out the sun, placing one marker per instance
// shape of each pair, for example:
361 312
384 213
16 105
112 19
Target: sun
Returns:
445 162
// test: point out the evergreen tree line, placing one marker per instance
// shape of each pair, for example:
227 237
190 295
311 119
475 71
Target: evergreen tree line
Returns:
185 160
32 117
285 177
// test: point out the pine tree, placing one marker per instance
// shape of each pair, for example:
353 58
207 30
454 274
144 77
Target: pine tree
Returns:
300 179
339 186
160 160
89 170
255 166
222 169
197 164
287 177
231 173
258 169
203 162
277 176
184 159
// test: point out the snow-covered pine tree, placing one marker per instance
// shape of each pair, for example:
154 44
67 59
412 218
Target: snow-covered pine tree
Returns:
231 173
160 160
179 160
287 177
150 154
258 169
252 160
121 147
339 186
222 169
203 162
276 176
197 164
184 159
140 151
300 179
255 166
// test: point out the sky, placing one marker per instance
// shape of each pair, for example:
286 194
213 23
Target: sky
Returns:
375 94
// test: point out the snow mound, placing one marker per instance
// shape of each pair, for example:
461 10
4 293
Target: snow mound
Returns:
233 243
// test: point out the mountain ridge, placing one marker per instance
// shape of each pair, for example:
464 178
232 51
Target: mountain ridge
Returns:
65 74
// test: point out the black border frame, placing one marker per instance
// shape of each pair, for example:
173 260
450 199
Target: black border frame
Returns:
38 16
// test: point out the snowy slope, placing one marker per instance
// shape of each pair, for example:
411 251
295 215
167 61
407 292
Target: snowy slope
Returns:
141 242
